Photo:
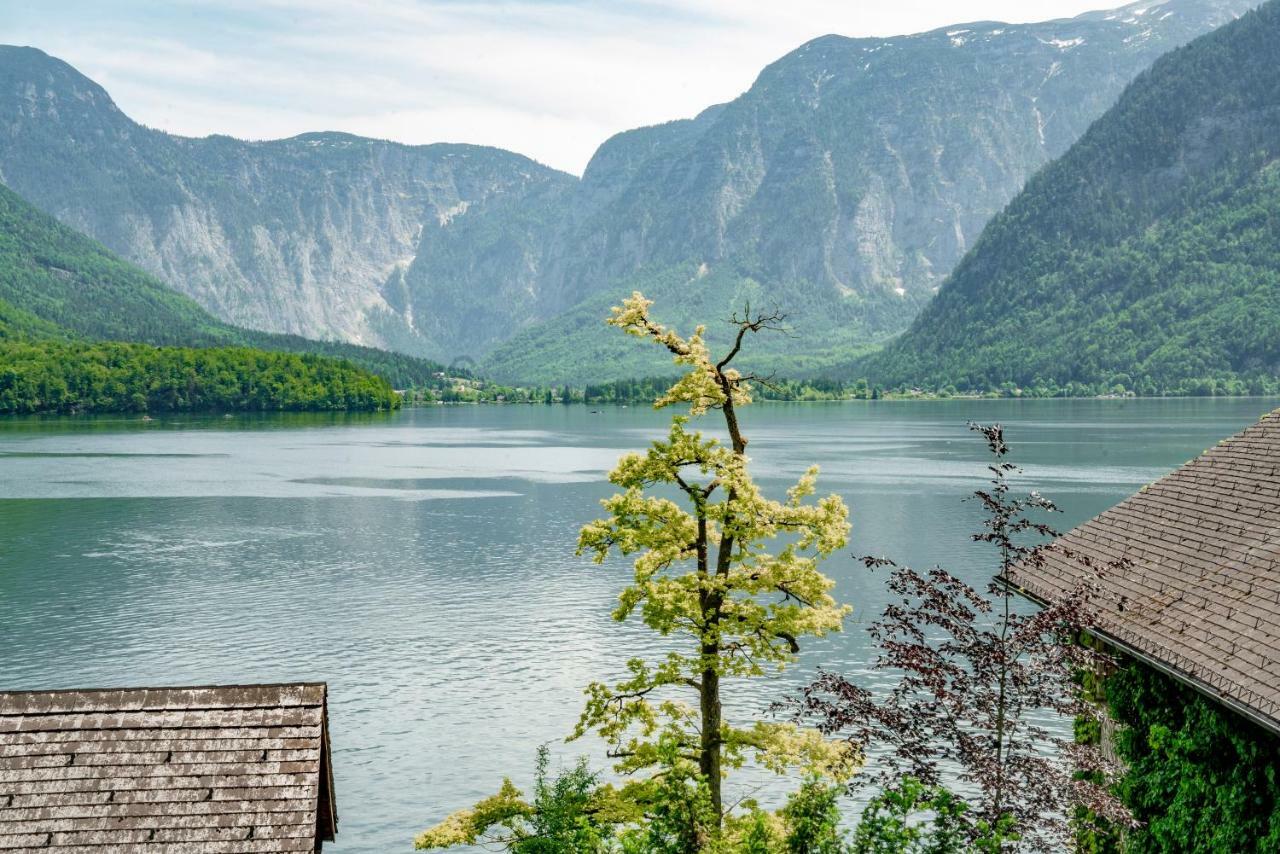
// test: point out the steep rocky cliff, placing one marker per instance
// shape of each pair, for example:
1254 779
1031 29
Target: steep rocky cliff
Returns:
309 235
58 285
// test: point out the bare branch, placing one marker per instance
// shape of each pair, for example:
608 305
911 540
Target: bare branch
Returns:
746 323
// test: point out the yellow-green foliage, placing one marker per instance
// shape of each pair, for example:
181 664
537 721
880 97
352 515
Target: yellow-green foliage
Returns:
734 574
465 827
768 600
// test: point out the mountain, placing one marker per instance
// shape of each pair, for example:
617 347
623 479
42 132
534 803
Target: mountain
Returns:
842 187
307 235
1147 258
58 285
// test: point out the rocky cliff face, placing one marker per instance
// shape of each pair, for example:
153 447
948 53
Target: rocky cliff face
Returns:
309 235
843 186
1147 258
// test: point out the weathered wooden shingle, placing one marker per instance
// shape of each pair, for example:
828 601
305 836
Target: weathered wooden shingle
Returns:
1200 596
167 770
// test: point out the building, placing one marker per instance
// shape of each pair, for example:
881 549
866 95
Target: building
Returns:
242 768
1200 597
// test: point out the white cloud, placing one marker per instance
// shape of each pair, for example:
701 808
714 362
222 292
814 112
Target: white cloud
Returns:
548 78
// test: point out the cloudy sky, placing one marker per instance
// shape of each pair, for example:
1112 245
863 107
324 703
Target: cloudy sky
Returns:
549 78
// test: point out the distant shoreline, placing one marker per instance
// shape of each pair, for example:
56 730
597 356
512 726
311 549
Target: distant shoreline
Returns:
340 414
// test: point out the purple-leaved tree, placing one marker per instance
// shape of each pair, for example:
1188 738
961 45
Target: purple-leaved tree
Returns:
980 681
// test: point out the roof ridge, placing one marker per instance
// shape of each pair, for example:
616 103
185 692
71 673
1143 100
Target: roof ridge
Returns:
133 688
178 699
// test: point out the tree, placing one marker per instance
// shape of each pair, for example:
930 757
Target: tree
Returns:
976 680
703 573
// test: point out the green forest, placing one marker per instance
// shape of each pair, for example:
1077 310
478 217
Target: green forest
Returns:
83 331
82 377
57 284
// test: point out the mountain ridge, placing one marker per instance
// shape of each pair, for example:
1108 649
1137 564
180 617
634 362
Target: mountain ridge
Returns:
850 233
842 186
1145 259
297 235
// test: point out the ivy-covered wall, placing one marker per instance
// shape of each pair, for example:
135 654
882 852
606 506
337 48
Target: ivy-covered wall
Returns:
1200 778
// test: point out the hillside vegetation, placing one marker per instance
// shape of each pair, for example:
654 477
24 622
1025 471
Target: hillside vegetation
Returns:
56 283
78 377
1146 259
83 331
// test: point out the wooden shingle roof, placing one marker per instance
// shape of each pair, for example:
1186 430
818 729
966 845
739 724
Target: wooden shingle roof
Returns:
1201 596
166 770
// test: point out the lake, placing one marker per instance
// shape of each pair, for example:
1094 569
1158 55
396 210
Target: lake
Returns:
422 562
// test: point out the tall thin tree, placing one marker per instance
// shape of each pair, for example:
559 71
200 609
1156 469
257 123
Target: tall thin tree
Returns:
698 530
703 571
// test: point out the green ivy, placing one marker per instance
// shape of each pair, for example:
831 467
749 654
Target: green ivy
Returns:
1200 778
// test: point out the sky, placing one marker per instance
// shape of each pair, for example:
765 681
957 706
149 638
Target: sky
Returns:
551 79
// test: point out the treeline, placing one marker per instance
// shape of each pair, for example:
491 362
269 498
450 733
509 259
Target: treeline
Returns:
1116 385
641 391
645 390
79 377
648 389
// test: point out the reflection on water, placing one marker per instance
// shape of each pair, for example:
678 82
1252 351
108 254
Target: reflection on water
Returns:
422 562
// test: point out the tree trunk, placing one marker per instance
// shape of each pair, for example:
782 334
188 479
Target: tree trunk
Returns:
709 687
1002 696
712 711
709 758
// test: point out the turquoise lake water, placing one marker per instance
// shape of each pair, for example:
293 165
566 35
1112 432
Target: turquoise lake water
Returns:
422 562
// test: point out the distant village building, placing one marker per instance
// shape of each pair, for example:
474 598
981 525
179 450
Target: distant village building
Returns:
1201 598
166 770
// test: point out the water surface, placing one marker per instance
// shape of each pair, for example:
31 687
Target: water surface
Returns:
422 563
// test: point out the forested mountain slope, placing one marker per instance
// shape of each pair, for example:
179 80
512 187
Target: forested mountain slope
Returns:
57 284
1146 258
72 316
842 187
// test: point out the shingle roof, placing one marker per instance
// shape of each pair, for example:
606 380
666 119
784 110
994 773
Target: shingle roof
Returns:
160 770
1201 598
